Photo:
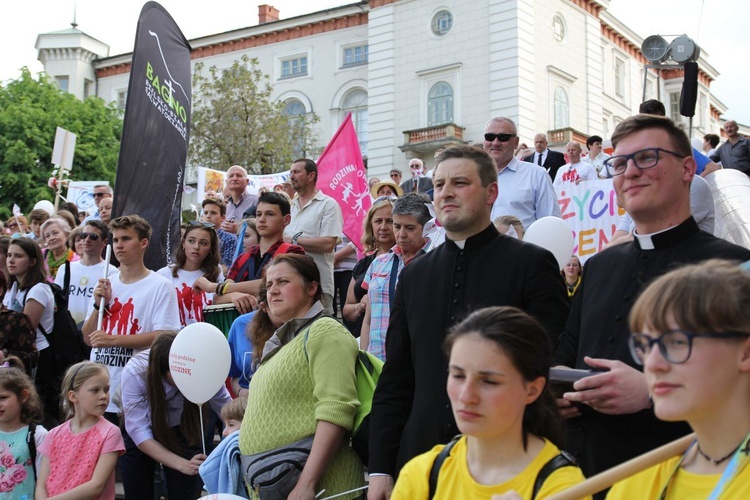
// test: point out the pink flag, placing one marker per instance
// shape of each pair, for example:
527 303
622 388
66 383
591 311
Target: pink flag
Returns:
341 175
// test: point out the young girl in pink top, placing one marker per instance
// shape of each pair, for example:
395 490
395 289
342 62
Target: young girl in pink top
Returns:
79 456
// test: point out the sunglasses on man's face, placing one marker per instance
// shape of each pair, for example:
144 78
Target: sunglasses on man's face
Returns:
500 137
100 195
91 236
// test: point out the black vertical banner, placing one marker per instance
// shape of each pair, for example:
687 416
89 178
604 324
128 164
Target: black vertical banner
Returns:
156 132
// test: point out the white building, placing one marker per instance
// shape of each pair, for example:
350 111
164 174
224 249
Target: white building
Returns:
419 75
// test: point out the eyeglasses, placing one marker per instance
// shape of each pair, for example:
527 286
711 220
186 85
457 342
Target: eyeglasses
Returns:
500 137
91 236
643 159
100 195
197 223
415 166
675 345
393 176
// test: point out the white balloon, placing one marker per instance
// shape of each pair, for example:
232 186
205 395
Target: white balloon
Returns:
45 205
199 361
555 235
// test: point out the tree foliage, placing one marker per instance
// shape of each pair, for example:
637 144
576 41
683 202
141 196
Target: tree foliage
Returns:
30 112
236 122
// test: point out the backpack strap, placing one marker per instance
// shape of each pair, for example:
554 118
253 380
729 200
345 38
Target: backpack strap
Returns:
66 283
438 463
283 248
564 459
31 443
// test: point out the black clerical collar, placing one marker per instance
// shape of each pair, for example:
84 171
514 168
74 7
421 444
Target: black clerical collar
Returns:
479 239
667 238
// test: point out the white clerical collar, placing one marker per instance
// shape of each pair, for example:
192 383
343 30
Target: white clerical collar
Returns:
460 243
645 241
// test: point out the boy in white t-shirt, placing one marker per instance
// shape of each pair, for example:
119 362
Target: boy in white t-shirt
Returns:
85 273
139 304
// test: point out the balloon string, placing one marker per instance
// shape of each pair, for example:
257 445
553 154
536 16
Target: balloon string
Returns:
203 434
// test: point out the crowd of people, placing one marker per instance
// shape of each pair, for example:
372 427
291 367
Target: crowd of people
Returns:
467 316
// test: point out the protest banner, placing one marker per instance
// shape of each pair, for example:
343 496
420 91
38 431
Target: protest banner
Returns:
590 209
342 176
212 181
155 132
81 194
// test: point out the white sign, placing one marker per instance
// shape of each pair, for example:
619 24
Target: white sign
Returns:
81 193
65 145
213 181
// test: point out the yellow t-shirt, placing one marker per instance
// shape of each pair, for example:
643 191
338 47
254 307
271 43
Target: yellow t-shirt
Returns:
684 485
455 481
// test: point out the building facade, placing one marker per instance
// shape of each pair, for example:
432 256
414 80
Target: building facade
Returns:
419 75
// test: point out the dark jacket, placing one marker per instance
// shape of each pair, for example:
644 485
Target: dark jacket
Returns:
411 412
598 327
551 164
424 184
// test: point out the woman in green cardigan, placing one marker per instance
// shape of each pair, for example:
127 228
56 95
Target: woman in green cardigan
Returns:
305 383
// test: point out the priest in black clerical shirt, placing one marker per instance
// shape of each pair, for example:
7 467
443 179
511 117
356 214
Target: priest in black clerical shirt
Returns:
476 267
610 415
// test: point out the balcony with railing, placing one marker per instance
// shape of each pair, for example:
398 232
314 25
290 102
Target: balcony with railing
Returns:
562 136
430 139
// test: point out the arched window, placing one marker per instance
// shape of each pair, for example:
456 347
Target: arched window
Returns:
293 109
562 111
355 103
440 104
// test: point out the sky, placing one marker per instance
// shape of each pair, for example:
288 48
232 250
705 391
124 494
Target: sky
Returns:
717 26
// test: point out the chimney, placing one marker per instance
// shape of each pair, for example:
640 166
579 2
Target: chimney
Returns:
267 14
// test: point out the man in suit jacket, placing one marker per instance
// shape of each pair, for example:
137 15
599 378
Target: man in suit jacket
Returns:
549 160
476 267
417 183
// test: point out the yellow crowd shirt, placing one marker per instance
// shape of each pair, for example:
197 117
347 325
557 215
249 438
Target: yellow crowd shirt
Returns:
684 485
455 481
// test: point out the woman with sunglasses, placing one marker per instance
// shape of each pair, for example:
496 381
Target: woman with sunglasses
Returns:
198 255
377 239
55 233
691 333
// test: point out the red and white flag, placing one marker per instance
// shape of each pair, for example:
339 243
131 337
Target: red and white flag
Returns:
342 176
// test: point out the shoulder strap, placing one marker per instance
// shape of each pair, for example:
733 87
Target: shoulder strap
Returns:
564 459
283 248
438 463
31 443
393 278
66 282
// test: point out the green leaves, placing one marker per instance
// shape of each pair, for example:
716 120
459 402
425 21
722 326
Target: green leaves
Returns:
236 122
30 112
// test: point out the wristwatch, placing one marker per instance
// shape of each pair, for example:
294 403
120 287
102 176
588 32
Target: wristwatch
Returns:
296 237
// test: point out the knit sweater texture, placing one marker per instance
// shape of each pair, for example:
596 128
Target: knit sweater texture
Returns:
309 379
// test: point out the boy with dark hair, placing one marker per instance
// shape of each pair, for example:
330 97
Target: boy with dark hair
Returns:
37 217
272 216
215 212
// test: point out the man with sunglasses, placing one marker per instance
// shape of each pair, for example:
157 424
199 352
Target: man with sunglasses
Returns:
85 273
101 192
610 419
418 183
524 189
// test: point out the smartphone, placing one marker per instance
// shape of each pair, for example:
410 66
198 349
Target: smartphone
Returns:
569 375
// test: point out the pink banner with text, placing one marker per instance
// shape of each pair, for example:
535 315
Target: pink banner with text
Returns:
342 176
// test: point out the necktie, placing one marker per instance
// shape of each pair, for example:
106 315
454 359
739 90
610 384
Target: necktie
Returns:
539 160
414 189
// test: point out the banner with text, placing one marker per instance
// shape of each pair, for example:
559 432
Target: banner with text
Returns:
342 176
156 132
590 209
212 182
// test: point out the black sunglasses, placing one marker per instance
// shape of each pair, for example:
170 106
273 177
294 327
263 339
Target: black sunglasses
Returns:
91 236
500 137
100 195
197 223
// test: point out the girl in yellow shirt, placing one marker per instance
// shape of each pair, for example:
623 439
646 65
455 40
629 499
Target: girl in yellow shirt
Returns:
699 318
497 385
